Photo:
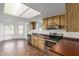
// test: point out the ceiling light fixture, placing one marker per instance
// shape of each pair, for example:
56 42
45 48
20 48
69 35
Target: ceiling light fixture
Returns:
17 9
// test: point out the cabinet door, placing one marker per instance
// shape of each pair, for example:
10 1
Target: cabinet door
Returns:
50 22
41 43
45 23
32 25
36 42
63 21
32 40
57 20
72 15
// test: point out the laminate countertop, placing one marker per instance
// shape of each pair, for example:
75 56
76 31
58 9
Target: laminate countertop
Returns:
65 34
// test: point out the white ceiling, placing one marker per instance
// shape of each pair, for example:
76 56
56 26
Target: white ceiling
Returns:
48 9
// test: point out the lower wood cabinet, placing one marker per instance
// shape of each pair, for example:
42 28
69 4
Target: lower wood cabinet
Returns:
32 40
41 43
38 42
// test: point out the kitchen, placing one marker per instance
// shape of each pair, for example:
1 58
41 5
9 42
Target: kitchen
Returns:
57 35
39 29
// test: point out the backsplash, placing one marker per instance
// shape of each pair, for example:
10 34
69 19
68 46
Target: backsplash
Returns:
49 31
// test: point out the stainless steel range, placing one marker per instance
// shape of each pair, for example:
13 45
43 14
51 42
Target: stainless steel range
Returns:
55 36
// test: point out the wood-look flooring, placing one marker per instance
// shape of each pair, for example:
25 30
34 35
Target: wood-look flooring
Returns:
18 47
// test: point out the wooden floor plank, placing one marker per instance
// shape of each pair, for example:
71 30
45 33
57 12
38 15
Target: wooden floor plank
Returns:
18 47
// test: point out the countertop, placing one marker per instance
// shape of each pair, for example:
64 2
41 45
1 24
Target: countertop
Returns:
65 34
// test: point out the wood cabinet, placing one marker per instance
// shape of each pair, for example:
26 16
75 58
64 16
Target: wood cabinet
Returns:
63 20
32 40
41 43
38 42
72 16
45 23
50 22
57 20
32 25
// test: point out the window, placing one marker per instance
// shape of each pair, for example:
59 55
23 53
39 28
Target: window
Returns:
20 29
9 29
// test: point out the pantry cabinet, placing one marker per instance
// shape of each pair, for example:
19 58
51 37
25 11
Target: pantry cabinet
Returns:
72 16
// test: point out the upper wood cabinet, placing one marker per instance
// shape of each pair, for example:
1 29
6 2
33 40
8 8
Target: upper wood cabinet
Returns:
45 23
72 16
50 22
32 25
63 20
57 20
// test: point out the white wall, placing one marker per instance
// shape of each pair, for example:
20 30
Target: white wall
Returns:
38 20
8 19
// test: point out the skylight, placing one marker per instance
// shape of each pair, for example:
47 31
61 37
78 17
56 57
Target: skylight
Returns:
30 13
17 9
